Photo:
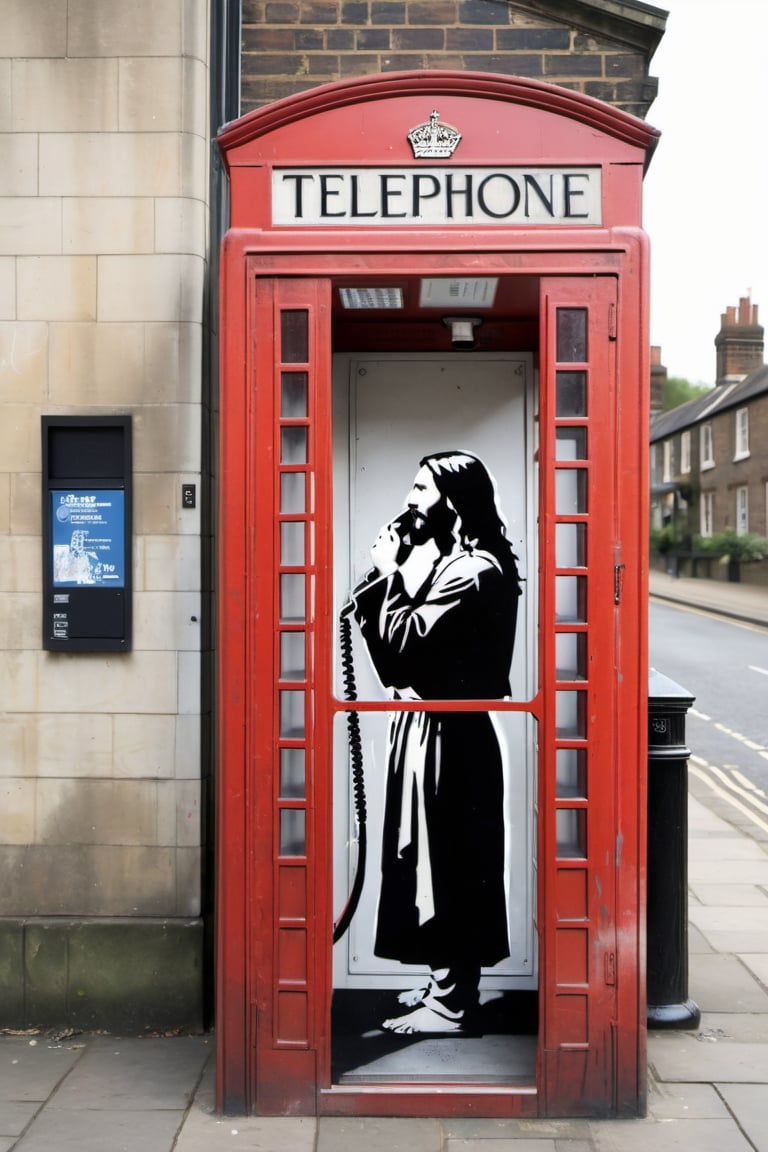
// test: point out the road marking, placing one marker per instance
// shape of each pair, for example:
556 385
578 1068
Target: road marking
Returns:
746 782
703 776
700 715
721 775
741 739
756 668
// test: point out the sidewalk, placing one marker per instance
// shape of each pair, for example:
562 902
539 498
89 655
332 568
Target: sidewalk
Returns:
738 601
708 1089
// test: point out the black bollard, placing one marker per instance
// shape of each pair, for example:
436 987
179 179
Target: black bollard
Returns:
669 1005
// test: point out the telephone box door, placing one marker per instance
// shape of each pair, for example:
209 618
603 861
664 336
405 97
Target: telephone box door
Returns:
318 478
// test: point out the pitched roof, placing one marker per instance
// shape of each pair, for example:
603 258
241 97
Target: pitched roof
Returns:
712 403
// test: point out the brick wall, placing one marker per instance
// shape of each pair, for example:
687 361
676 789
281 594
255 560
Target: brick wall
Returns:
750 472
291 45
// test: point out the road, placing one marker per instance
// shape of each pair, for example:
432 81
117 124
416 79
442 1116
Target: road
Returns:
724 664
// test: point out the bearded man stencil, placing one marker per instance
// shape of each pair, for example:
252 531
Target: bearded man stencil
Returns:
438 616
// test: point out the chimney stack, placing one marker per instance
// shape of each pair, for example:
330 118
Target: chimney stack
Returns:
658 380
739 343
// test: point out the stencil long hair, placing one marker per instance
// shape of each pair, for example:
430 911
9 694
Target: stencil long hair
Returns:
464 480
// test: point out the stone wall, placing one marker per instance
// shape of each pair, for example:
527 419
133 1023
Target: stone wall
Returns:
104 162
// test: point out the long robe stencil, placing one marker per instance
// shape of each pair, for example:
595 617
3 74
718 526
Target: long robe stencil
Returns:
438 615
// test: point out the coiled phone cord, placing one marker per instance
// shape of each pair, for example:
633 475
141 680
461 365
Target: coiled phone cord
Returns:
355 742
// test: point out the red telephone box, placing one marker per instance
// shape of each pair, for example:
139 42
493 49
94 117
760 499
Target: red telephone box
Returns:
420 264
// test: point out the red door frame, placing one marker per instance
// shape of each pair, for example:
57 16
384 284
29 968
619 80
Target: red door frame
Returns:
253 1073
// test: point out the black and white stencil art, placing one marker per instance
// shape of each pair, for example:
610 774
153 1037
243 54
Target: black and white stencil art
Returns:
438 615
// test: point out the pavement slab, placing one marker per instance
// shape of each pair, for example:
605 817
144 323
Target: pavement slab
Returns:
757 962
15 1116
690 1058
722 983
475 1128
107 1130
511 1144
136 1074
686 1102
669 1136
385 1134
750 1103
205 1132
31 1069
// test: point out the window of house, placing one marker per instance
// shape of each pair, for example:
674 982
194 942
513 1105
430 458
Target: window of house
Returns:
742 511
707 452
742 433
685 452
707 518
668 460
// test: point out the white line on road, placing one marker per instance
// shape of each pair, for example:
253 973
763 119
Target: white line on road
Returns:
700 715
757 668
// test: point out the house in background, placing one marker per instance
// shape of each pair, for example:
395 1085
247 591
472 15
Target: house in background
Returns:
709 457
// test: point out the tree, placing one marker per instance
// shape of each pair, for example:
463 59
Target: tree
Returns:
678 391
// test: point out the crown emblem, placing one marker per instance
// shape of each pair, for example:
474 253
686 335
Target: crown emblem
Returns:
433 140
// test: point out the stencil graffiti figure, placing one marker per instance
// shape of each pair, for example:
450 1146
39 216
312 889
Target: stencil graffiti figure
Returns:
438 615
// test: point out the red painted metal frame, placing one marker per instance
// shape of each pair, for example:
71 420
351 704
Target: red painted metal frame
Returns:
263 269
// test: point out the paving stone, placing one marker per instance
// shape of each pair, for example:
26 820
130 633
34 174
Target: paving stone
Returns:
472 1128
750 1103
757 962
746 1027
723 984
204 1132
510 1144
733 929
30 1069
86 1130
742 895
685 1102
15 1116
689 1059
135 1074
669 1136
375 1134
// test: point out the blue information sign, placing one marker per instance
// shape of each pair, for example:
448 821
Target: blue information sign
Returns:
88 538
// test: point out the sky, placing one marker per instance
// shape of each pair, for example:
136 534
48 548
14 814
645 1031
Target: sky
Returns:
706 191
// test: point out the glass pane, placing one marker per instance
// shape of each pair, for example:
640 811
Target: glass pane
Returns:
571 599
292 493
571 773
294 337
292 774
571 656
571 335
293 395
293 839
292 597
571 400
292 544
293 445
569 715
571 444
292 714
571 831
292 661
570 545
570 492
